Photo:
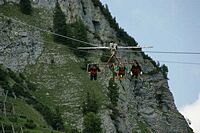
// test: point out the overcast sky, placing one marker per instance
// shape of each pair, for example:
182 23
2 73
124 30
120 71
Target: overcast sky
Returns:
168 25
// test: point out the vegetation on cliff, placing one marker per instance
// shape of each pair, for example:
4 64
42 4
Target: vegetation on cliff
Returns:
26 7
16 85
121 34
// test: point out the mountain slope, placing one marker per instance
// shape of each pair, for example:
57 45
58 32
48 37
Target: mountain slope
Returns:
20 111
61 79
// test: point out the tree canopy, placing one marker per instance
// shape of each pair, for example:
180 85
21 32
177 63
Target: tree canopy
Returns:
25 7
59 25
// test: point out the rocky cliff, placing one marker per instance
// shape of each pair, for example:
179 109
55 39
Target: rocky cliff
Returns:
144 105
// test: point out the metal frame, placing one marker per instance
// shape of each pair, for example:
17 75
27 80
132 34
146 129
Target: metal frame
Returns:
113 49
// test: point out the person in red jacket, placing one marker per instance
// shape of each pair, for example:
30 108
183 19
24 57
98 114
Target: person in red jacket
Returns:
136 70
93 69
121 70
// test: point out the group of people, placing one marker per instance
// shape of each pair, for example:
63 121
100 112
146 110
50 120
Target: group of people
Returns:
121 70
118 70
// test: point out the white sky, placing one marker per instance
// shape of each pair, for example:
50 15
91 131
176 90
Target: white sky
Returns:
192 113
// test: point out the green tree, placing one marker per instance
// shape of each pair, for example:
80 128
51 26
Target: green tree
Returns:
80 33
90 105
96 2
3 73
92 123
105 56
25 7
30 124
113 92
164 70
59 25
121 34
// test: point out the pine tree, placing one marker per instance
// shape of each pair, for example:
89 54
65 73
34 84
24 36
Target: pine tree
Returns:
59 25
90 105
92 123
96 2
25 6
113 92
80 33
164 70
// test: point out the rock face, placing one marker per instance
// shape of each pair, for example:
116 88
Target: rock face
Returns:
19 46
9 1
144 105
93 18
148 101
84 9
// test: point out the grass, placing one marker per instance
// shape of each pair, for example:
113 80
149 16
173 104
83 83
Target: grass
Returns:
143 127
62 83
13 10
24 112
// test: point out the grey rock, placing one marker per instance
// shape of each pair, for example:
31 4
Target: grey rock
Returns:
107 123
1 2
18 47
147 100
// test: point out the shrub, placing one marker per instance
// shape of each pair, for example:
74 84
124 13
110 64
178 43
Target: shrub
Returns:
143 127
53 119
121 34
96 2
79 31
3 73
146 57
31 86
30 124
113 92
19 90
92 123
13 118
14 76
59 25
164 70
90 105
22 76
25 6
70 129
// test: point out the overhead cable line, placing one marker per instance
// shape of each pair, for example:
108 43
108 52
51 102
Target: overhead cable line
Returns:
77 40
179 62
164 52
172 52
50 32
94 53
